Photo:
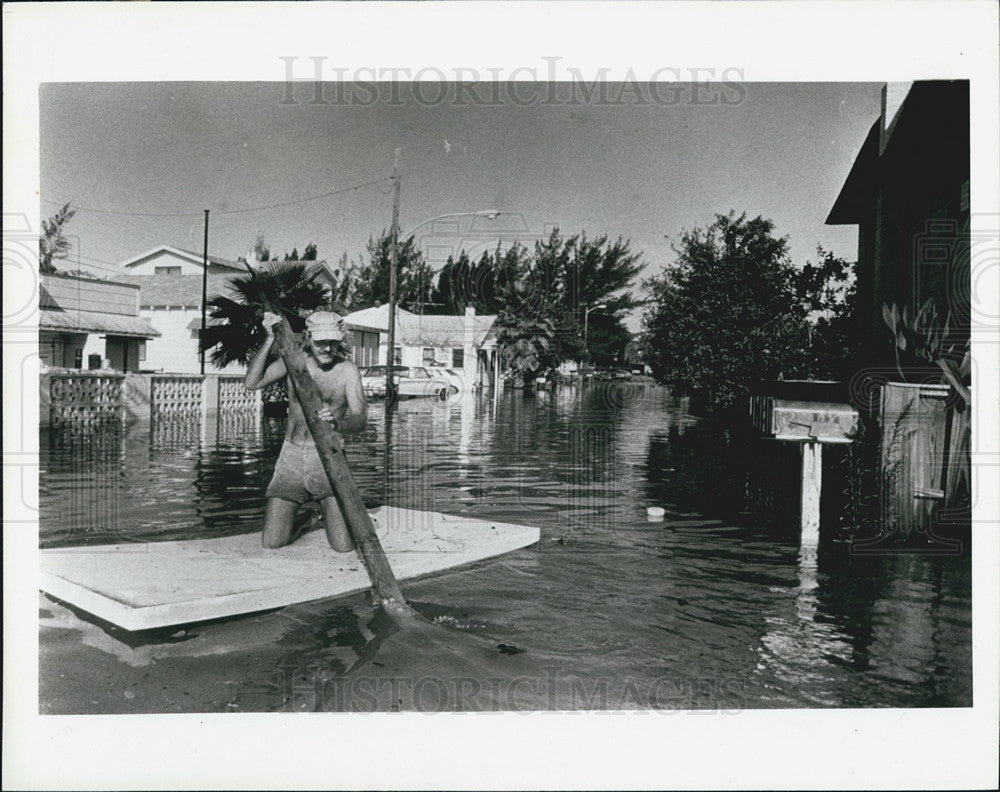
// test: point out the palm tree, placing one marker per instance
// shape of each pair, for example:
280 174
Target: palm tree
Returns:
237 333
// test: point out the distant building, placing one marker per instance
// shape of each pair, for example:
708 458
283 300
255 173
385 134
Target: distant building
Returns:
170 280
908 193
464 343
86 323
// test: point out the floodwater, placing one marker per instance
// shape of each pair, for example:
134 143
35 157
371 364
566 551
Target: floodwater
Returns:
716 607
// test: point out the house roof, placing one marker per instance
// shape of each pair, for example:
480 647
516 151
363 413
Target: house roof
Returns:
426 330
94 322
194 258
921 121
858 191
177 290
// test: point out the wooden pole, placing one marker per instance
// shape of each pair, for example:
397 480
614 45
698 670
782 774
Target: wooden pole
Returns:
352 505
204 294
812 484
390 353
356 516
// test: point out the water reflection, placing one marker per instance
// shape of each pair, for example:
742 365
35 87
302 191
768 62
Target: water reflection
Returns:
711 599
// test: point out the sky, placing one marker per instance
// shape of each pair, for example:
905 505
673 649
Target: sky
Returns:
130 155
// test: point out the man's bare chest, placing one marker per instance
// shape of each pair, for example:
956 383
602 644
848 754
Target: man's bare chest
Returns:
330 384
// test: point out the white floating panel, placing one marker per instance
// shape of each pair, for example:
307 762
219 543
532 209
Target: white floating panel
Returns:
160 584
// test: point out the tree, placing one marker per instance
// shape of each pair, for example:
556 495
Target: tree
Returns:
369 280
53 243
237 333
727 313
310 252
594 272
260 249
828 294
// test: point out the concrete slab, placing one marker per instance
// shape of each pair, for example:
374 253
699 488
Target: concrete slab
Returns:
159 584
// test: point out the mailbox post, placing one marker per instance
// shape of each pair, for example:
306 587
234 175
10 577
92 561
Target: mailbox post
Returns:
807 413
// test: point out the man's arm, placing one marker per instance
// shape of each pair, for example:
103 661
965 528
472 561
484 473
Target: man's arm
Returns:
259 374
356 415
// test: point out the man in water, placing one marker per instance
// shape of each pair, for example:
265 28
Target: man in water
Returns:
299 475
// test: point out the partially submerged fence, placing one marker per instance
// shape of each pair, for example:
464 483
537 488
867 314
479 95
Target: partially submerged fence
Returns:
83 400
925 463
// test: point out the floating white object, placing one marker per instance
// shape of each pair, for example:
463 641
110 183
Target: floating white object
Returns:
655 513
158 584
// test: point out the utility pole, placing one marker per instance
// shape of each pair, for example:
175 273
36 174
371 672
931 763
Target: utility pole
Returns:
204 295
390 355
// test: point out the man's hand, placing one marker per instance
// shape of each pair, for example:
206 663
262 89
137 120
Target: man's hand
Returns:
268 323
325 414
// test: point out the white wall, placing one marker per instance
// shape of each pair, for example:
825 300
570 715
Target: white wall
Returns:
165 258
176 351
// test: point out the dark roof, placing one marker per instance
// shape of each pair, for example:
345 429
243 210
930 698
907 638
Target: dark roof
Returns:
177 290
93 322
859 187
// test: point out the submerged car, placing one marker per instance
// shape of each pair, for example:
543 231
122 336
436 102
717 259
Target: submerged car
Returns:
411 382
451 376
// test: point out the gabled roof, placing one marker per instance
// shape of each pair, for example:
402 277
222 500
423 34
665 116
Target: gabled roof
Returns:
191 256
425 330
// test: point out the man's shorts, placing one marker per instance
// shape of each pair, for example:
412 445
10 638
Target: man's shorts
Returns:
299 475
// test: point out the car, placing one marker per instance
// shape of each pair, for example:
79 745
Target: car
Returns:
411 382
452 376
609 374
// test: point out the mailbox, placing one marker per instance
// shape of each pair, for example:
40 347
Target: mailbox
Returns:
808 413
792 419
802 411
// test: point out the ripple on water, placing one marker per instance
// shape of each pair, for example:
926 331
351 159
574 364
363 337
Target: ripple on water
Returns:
698 610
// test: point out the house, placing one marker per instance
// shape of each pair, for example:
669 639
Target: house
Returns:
87 323
465 343
170 282
908 193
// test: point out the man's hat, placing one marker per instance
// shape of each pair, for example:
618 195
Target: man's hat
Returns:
326 326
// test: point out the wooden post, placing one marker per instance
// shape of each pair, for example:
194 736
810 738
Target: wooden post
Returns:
390 357
359 522
204 296
210 409
812 485
496 376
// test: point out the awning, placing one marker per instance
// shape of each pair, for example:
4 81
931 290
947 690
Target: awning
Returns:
90 322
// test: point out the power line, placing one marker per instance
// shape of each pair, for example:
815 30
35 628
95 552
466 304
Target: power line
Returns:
90 210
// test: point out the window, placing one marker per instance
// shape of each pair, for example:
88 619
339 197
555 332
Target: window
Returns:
397 355
428 356
458 358
166 270
142 351
78 358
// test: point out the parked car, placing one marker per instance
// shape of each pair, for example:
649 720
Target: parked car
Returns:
411 382
609 374
451 376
